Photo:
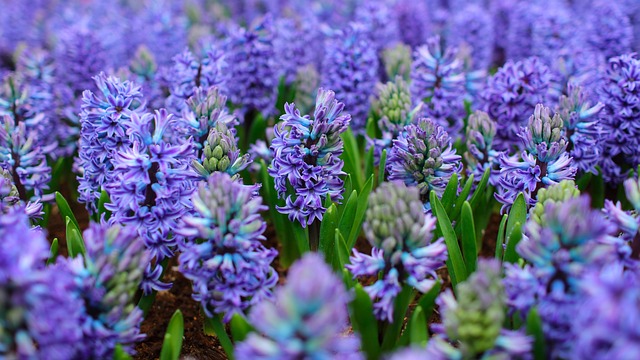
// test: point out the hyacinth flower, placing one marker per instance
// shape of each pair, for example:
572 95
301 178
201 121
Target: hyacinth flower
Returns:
609 28
223 254
606 327
306 319
397 61
107 282
620 136
378 17
438 80
627 222
306 85
582 128
152 183
413 21
205 109
473 26
560 247
543 162
144 71
422 156
291 49
252 66
473 319
104 120
557 193
404 251
25 162
306 160
511 96
392 110
221 154
40 317
190 73
350 68
481 155
28 104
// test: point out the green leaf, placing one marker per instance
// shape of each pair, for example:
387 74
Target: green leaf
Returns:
534 328
597 192
53 251
104 199
146 301
328 232
583 181
480 189
470 251
449 195
240 328
301 236
342 252
428 300
363 204
418 331
172 345
382 167
510 254
258 129
455 262
120 354
65 210
464 194
75 244
517 214
368 164
214 326
500 239
349 215
351 158
365 323
401 304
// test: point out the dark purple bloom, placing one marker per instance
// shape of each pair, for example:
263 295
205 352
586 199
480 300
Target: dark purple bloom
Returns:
104 119
511 95
620 120
224 255
378 17
609 28
413 22
438 80
306 158
350 68
422 156
404 250
291 47
472 27
306 319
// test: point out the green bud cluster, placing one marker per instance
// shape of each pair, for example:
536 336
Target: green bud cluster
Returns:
556 193
397 61
306 83
221 154
392 106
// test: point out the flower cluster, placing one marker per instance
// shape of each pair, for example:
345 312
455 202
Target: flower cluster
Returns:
397 61
423 156
305 320
350 68
511 96
627 223
103 134
392 110
403 247
221 154
472 26
205 109
543 162
224 256
438 80
610 31
306 158
480 155
620 139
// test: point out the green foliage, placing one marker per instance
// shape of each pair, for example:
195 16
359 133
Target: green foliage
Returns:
455 262
214 327
365 323
515 221
172 345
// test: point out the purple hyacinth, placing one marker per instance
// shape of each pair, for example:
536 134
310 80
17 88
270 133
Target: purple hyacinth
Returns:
413 21
104 120
620 139
165 30
423 156
438 80
543 161
472 26
627 222
378 17
107 282
24 159
350 68
404 251
306 158
221 154
474 318
224 255
511 96
569 240
39 313
605 327
481 155
151 185
252 67
582 128
307 319
291 47
609 28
